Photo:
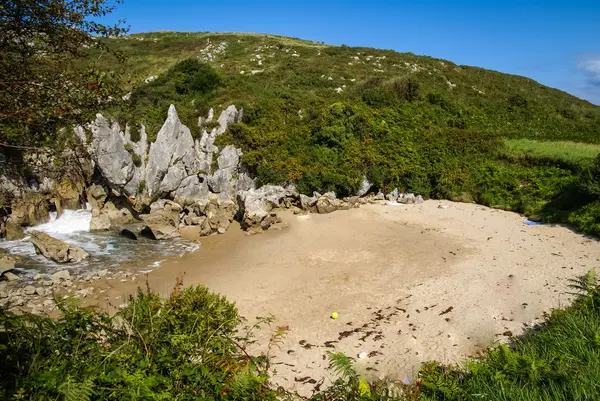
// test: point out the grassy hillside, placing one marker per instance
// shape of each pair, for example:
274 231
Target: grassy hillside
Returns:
325 117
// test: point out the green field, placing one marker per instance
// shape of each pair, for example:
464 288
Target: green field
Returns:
571 152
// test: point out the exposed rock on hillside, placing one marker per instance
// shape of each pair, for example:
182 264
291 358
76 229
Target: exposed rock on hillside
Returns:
176 167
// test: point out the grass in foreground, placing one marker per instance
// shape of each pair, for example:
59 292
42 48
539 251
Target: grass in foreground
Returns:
560 361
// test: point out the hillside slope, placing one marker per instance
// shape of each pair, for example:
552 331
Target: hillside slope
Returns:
258 68
325 117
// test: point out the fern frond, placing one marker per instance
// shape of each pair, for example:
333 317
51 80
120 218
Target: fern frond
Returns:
76 391
342 365
584 284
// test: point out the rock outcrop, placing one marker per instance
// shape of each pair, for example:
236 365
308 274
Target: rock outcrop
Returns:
55 249
7 261
175 168
13 232
256 205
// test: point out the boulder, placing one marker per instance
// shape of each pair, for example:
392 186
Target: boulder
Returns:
56 250
219 213
308 203
13 232
163 219
257 204
30 210
96 196
393 196
99 222
407 199
147 233
7 261
128 234
119 212
380 196
67 195
61 275
327 204
156 231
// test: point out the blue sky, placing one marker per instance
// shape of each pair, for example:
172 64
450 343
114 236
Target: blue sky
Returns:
554 42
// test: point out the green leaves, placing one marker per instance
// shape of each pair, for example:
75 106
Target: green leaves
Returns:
46 78
181 348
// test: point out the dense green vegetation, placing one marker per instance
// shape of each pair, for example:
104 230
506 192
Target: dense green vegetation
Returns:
186 347
190 347
47 79
324 117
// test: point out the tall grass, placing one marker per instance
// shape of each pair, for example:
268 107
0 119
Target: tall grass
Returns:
567 151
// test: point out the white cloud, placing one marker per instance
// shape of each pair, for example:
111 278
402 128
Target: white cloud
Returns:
590 65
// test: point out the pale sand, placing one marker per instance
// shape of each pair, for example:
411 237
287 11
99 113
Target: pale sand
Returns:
410 283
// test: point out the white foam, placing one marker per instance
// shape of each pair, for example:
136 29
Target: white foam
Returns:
71 221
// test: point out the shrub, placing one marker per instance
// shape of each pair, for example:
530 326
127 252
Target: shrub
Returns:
180 348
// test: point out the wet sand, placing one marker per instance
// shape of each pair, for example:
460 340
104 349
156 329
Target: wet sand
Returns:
410 283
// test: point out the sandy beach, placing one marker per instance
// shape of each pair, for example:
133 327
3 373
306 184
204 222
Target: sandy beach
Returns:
410 283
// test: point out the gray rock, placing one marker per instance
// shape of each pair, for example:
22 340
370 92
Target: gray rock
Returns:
308 202
257 204
110 155
191 189
365 186
61 275
102 273
41 291
171 157
58 251
224 180
419 199
380 196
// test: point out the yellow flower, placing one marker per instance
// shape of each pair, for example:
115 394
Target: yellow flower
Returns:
364 390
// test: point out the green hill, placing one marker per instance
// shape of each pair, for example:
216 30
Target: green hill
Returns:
324 117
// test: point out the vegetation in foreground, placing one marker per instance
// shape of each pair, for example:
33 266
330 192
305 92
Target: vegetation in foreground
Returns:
190 347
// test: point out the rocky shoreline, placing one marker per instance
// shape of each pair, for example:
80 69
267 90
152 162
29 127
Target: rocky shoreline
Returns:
176 186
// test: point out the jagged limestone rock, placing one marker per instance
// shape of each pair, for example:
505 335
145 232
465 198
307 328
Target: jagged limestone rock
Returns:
171 157
113 160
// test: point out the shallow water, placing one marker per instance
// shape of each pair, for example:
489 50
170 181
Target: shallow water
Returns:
107 249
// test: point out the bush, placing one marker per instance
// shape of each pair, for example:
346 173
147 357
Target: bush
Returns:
181 348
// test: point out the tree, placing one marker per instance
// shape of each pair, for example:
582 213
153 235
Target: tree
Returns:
48 79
